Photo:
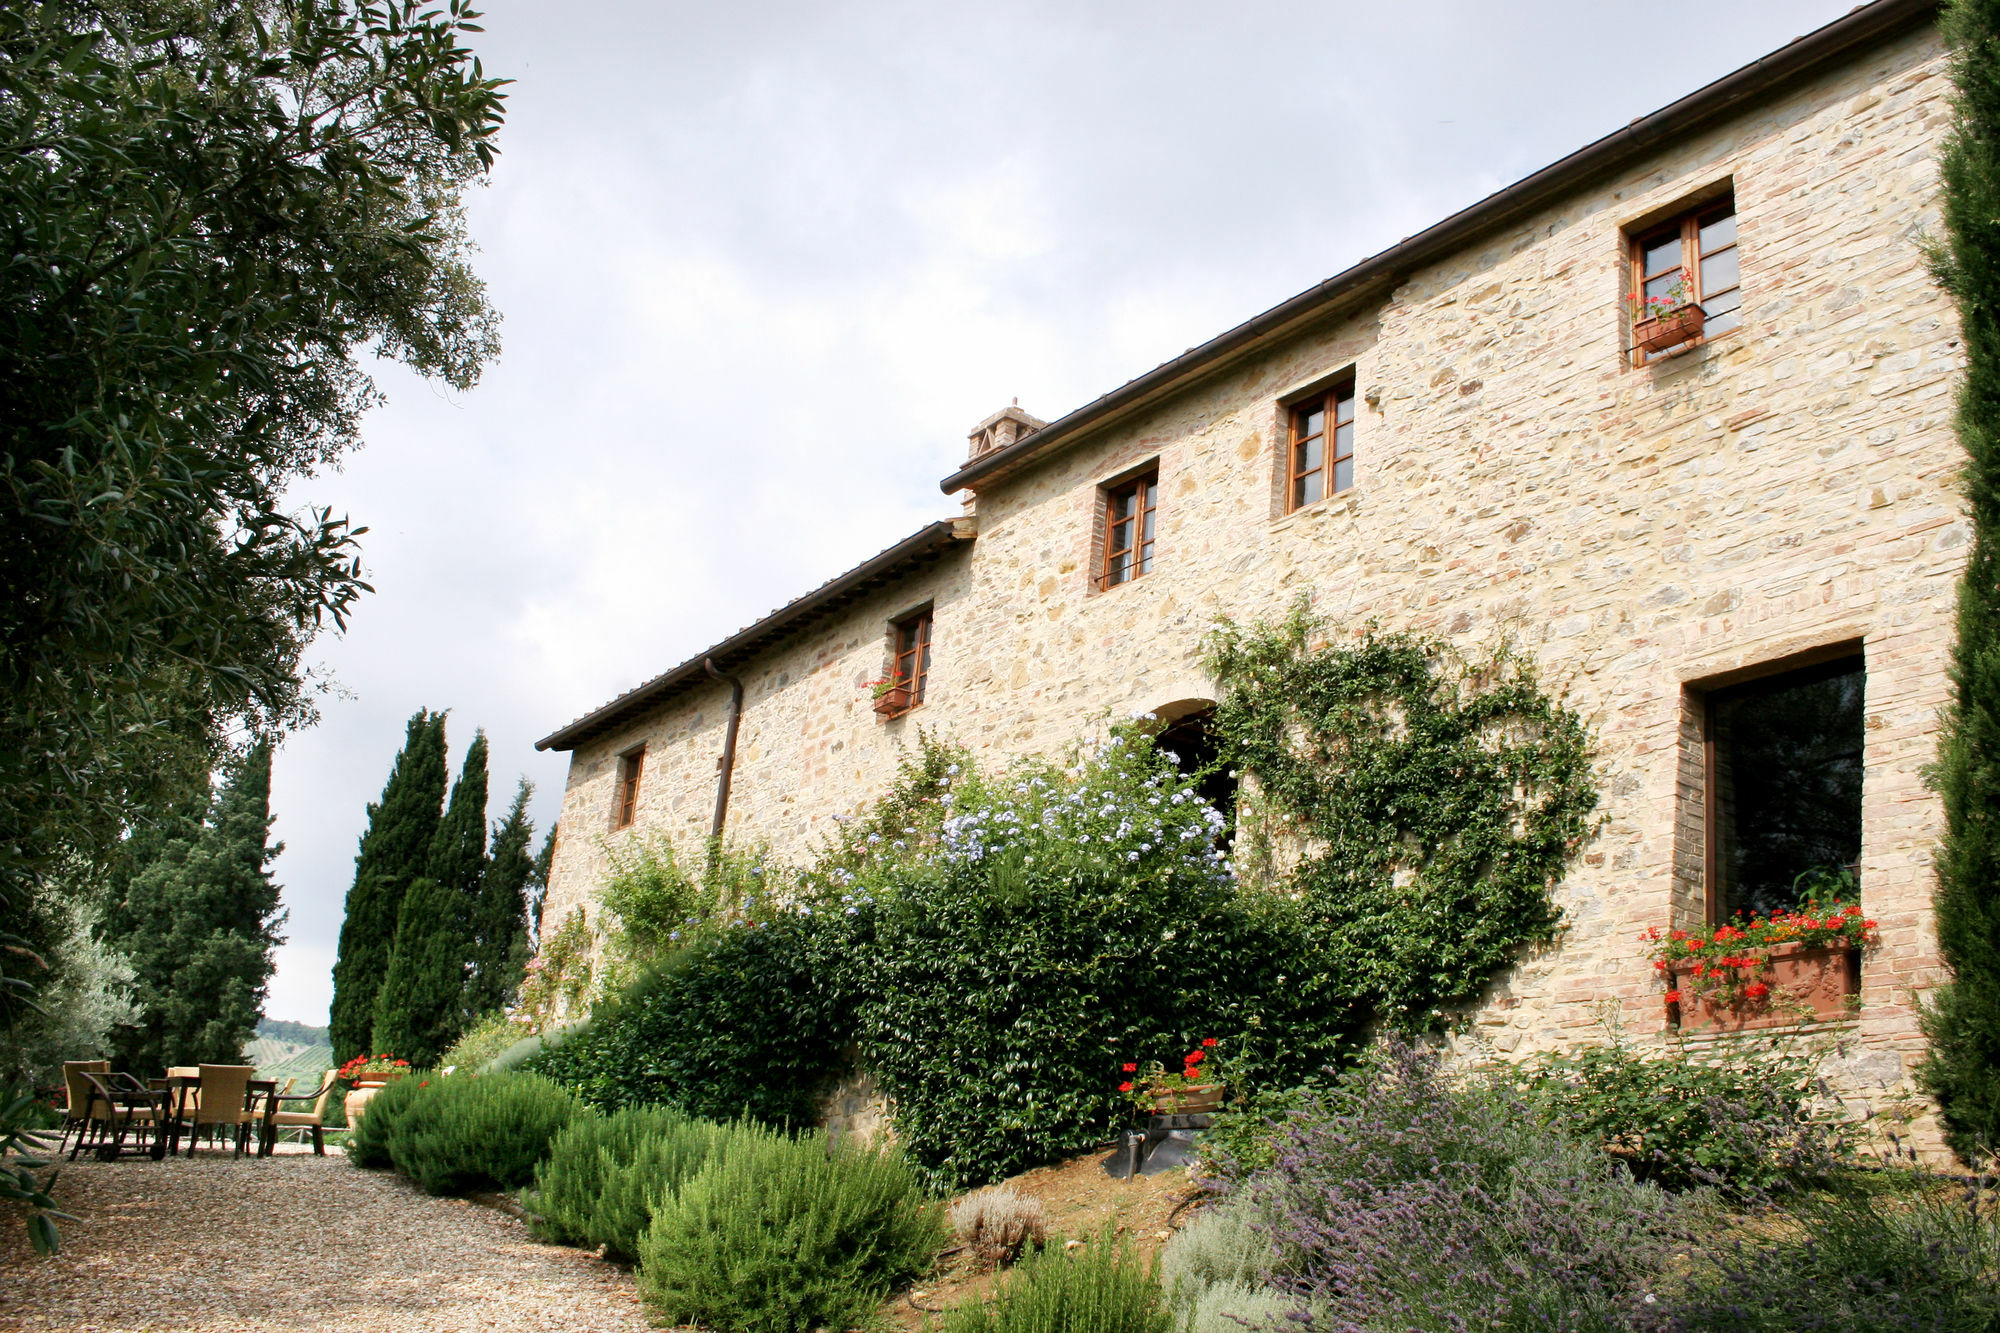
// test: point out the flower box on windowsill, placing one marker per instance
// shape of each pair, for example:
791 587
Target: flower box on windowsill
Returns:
1803 985
894 701
1669 330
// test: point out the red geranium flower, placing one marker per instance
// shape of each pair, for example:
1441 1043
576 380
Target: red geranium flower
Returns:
1756 989
1194 1057
1208 1041
1125 1087
1673 997
1130 1068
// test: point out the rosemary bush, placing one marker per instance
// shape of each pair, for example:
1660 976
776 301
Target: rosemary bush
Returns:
1101 1288
603 1175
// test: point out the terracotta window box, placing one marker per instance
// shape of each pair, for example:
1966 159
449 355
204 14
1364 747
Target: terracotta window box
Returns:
1669 330
893 702
1805 985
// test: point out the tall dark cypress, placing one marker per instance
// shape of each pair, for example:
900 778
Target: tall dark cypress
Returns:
501 930
1962 1068
199 922
423 1005
394 851
538 885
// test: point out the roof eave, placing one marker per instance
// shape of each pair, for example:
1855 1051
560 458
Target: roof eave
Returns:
1822 46
795 615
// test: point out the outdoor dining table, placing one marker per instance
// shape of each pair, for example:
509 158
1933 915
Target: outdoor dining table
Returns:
176 1090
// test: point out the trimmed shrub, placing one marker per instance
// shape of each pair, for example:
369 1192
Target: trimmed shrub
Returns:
996 1224
1099 1289
1402 1201
1921 1254
732 1025
368 1143
603 1174
1735 1118
465 1134
781 1235
1013 939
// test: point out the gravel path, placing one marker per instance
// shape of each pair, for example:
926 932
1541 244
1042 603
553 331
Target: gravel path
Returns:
293 1242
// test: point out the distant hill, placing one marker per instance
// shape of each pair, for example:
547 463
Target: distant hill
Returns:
296 1051
299 1034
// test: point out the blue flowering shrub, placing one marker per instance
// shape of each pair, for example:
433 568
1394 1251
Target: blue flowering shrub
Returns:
1010 941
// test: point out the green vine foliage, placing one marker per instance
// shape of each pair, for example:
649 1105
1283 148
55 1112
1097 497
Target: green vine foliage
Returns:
1432 804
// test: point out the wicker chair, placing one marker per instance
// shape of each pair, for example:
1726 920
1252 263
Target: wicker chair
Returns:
78 1093
116 1105
224 1101
313 1120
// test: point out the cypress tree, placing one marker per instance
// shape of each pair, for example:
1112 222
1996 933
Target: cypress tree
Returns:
501 931
1962 1067
423 1004
538 886
199 921
394 850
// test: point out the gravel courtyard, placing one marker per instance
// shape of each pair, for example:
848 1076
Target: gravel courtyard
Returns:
294 1242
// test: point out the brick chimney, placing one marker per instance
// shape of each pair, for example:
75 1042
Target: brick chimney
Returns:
1002 429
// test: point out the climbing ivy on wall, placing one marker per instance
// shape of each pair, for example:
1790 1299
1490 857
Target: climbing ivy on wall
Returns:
1429 804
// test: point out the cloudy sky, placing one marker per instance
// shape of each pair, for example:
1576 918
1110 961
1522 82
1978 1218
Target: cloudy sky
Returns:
763 265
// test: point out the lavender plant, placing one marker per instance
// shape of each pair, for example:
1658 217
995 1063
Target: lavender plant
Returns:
1403 1201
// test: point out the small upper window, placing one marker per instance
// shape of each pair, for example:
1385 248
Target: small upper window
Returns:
911 669
1322 448
1131 519
1685 277
625 808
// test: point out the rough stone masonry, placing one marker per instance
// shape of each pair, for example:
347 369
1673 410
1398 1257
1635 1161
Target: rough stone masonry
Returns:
1645 530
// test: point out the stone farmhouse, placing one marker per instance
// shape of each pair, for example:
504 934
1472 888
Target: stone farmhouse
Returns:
1735 554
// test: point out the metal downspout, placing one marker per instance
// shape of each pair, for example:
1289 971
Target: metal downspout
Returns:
725 766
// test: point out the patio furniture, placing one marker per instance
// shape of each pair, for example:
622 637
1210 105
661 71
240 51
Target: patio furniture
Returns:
279 1119
119 1105
219 1097
77 1093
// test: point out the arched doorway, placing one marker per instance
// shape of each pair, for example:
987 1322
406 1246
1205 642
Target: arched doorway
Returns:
1189 737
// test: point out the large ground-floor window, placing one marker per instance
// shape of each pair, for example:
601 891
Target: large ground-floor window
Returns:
1783 779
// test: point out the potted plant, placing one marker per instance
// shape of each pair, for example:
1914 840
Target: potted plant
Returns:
365 1076
1760 972
1669 319
1196 1089
892 695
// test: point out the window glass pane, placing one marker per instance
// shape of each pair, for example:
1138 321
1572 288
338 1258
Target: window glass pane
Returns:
1662 254
1312 422
1343 441
1307 490
1721 323
1719 272
1147 525
1146 558
1343 408
1343 474
1309 454
1119 569
1664 284
1788 788
1122 505
1121 535
1718 233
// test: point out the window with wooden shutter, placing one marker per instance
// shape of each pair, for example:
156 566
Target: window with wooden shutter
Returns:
625 805
1322 446
1689 260
1131 522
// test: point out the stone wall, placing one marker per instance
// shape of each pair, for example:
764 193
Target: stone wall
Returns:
1642 531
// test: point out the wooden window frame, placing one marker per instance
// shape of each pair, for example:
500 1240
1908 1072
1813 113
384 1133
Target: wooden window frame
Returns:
625 796
1687 223
1715 691
910 639
1144 488
1330 402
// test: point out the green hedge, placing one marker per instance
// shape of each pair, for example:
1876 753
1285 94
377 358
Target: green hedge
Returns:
733 1025
459 1135
603 1174
779 1235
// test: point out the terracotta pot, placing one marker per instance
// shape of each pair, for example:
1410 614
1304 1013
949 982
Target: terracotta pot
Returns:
1806 985
893 702
364 1090
1199 1098
1669 330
